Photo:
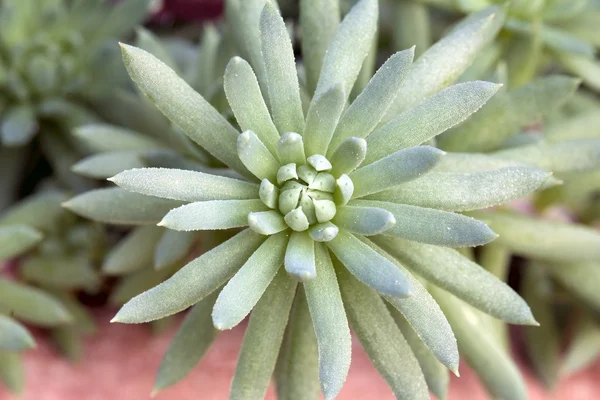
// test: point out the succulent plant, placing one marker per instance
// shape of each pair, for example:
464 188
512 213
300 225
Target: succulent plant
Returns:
344 197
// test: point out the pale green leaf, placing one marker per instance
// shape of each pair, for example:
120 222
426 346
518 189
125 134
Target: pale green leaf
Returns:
61 271
146 40
122 18
348 156
105 165
136 283
173 247
12 371
584 349
14 336
184 185
368 266
585 67
394 169
17 239
193 282
118 206
585 125
382 340
331 327
290 149
183 106
256 156
413 26
429 118
300 256
364 220
41 211
19 125
322 118
461 277
581 279
466 191
126 256
263 339
211 215
104 137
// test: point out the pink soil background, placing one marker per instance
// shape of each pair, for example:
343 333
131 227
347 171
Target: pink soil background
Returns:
121 361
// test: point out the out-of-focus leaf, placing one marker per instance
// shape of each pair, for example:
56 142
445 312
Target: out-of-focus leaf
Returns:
412 26
14 336
582 279
584 349
146 40
17 239
105 137
587 68
136 283
69 341
105 165
583 126
172 247
41 211
70 271
19 125
12 372
126 256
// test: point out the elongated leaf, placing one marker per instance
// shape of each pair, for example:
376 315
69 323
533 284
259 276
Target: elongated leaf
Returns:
461 277
122 18
585 125
451 56
83 321
17 239
40 211
125 257
105 165
348 156
300 256
173 247
466 191
369 267
193 282
366 111
507 113
184 185
431 226
68 341
209 215
435 373
14 336
297 370
319 20
245 289
322 118
331 327
105 137
569 156
364 220
193 338
31 305
136 283
118 206
580 278
425 317
401 166
19 125
381 339
428 119
262 340
412 27
146 40
61 271
348 48
257 157
280 66
584 348
488 358
247 103
585 67
183 106
12 372
545 240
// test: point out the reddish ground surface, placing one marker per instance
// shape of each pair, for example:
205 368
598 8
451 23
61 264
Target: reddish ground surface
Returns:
121 362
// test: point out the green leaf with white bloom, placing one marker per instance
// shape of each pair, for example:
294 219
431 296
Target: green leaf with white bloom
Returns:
193 282
31 305
126 257
256 156
452 55
461 277
263 339
427 225
319 20
428 119
331 327
570 156
348 48
172 247
300 256
280 66
394 169
105 165
243 291
41 211
364 220
322 118
542 239
17 239
368 266
99 138
424 316
12 371
247 103
14 336
192 340
297 370
368 108
118 206
507 113
585 67
290 149
580 278
146 40
381 339
488 358
184 185
436 374
466 191
19 125
585 125
210 215
183 106
348 156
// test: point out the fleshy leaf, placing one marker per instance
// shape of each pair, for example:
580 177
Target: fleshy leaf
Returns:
366 220
105 165
348 156
126 257
14 336
17 239
146 40
322 118
300 256
193 282
210 215
581 279
172 247
244 290
584 349
257 157
40 211
12 371
184 185
105 137
18 126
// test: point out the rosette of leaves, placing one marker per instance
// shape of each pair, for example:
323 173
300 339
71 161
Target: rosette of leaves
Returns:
539 31
325 237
